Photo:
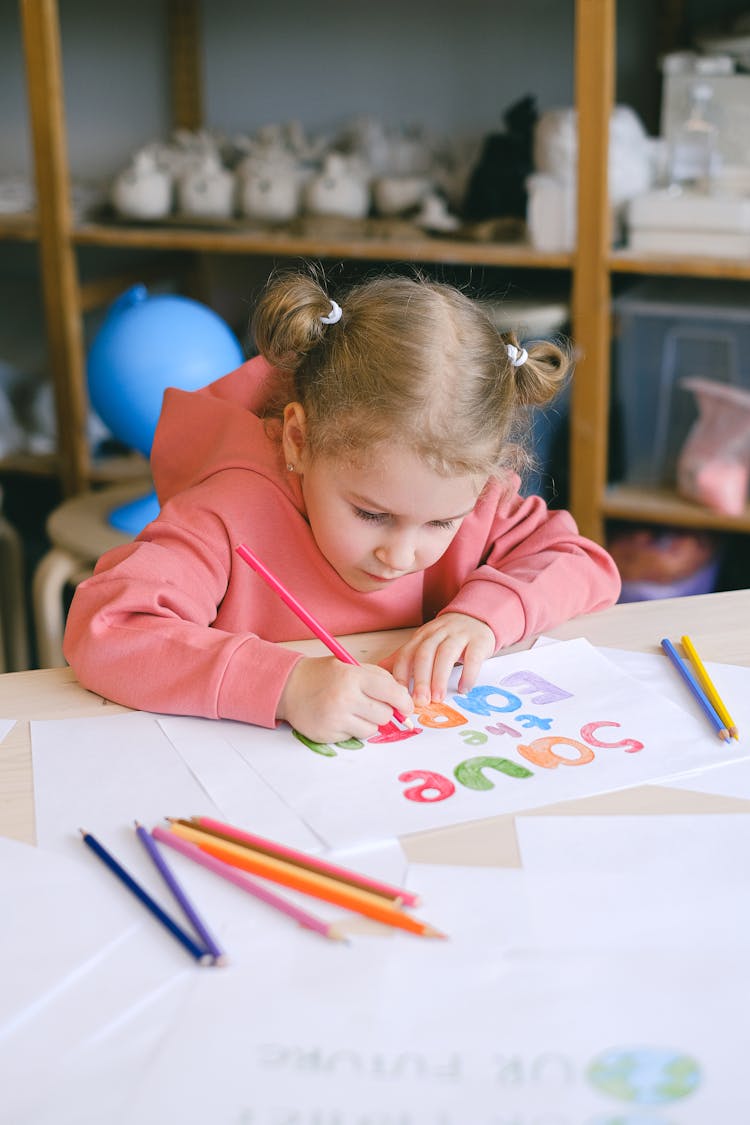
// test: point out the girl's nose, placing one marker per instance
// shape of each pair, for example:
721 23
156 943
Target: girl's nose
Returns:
397 553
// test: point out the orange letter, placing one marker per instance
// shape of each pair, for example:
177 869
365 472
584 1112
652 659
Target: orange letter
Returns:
541 754
440 715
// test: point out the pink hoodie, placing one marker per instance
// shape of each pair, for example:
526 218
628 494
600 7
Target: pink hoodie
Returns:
177 622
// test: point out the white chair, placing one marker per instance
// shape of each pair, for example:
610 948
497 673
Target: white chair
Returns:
79 533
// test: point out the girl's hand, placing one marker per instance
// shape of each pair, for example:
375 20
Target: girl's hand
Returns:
428 657
329 701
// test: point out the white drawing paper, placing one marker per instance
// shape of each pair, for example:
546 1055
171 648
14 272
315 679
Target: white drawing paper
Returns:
542 726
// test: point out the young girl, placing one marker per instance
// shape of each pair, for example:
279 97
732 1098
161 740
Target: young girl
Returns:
366 456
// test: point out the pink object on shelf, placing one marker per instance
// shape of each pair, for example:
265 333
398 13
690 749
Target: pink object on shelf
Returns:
714 463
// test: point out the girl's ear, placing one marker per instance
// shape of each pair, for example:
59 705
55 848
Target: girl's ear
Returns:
293 435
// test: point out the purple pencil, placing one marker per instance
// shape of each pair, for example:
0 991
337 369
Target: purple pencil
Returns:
248 884
212 947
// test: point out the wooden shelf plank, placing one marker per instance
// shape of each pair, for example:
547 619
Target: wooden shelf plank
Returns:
284 244
23 227
625 261
120 470
661 505
30 464
103 470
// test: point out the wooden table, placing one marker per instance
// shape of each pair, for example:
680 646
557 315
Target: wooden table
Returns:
718 623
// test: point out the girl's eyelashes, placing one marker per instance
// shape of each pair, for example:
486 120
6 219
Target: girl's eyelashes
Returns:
370 517
381 517
443 525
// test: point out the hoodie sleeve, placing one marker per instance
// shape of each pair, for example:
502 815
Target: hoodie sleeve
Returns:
138 630
536 572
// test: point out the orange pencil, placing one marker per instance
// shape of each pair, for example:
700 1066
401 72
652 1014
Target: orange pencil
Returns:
298 859
309 882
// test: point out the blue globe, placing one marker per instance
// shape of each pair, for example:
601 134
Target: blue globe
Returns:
145 345
644 1075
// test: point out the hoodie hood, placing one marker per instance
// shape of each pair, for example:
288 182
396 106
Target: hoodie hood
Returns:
203 432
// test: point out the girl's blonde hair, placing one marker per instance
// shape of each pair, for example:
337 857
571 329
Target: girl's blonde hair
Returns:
411 362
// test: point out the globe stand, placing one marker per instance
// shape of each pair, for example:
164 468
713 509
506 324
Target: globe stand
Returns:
133 516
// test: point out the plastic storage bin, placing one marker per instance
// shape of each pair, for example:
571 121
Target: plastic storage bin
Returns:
668 329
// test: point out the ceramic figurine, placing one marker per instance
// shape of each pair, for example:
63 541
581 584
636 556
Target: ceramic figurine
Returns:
396 195
269 187
143 190
206 189
434 215
340 189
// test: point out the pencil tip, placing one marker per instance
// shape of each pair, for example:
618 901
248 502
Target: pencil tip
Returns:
336 934
430 931
83 832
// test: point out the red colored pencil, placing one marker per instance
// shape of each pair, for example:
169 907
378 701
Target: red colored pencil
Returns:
304 615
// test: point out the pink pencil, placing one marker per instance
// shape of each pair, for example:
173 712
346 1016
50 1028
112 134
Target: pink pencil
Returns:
300 859
246 883
304 615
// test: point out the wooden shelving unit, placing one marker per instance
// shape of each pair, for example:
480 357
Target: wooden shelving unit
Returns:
350 247
592 266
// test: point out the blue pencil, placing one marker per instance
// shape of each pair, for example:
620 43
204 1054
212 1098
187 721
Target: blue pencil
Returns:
202 956
696 689
182 899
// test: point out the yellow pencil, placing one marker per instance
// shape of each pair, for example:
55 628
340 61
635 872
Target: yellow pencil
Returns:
310 882
709 688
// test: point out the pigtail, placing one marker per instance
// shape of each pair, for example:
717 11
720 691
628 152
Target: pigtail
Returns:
287 323
542 374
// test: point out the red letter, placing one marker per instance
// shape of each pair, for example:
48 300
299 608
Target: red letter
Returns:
434 786
629 745
391 733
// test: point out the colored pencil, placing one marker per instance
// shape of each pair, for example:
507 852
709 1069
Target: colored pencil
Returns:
299 859
304 615
202 956
309 882
181 898
695 688
247 884
709 687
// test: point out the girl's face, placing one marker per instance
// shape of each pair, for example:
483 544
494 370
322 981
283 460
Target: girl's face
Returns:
392 517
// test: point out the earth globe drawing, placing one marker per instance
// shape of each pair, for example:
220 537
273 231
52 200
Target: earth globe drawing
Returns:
644 1076
144 345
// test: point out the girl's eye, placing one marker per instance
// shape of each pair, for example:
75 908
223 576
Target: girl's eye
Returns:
370 517
443 525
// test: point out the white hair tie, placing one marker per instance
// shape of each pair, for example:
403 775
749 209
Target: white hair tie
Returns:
334 315
517 356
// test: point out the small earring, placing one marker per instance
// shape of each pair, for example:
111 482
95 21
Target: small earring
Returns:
290 467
